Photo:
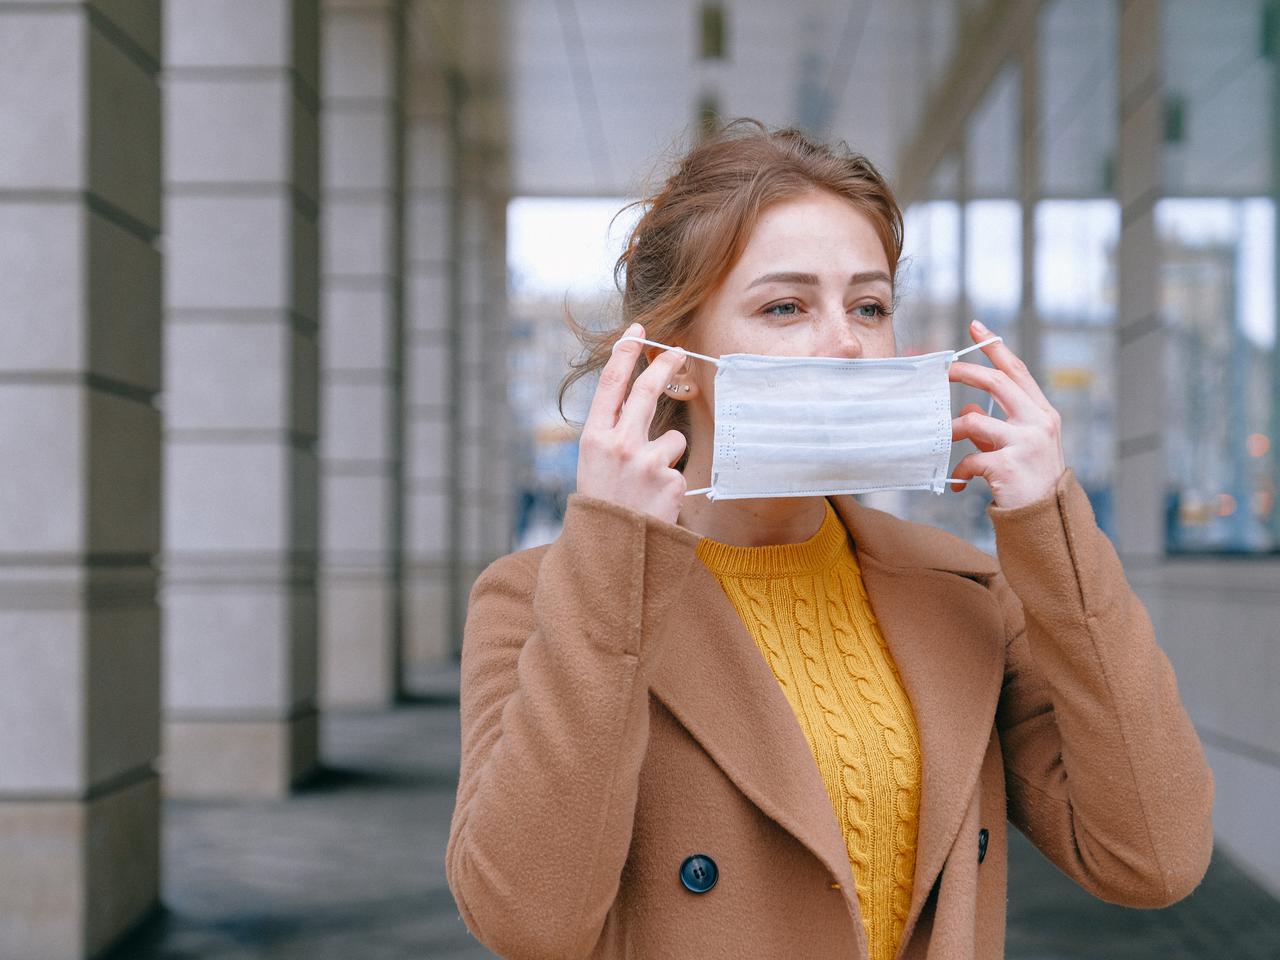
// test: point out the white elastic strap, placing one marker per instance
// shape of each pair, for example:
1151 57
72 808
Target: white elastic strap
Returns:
706 490
976 346
667 346
715 360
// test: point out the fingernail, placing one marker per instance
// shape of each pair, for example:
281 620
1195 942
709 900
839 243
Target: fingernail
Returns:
980 326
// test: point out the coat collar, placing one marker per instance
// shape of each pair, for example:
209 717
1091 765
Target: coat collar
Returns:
945 632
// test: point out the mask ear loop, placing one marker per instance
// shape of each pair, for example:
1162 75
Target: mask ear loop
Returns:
667 346
991 401
700 356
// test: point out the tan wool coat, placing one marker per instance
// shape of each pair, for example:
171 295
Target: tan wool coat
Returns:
617 718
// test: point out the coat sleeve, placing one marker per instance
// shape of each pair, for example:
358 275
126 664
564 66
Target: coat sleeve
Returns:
554 709
1103 769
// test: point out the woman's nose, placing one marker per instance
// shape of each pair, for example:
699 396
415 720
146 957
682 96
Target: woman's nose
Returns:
837 338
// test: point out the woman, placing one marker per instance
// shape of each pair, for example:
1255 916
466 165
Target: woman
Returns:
795 726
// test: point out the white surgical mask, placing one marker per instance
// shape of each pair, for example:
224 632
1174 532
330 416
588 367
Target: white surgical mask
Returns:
809 426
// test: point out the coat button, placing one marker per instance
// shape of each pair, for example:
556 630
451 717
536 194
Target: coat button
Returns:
982 844
699 873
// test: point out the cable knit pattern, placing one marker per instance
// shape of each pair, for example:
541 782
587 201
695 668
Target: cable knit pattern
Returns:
805 606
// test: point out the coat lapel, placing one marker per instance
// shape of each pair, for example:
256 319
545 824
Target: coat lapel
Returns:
945 633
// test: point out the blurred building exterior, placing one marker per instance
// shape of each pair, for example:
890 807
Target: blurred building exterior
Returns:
269 408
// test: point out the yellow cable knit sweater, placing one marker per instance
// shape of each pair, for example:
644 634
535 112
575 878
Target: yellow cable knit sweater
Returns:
806 607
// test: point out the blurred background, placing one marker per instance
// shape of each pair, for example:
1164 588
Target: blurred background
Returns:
282 287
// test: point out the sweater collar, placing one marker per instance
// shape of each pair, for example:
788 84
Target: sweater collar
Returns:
815 553
875 533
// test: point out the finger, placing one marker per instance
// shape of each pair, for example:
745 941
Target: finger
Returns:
974 465
614 377
987 433
1013 365
642 401
1012 398
671 446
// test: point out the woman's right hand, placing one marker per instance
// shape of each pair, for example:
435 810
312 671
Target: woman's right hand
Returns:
616 459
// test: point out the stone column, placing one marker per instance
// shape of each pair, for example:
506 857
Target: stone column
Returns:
1272 40
459 501
1030 340
1141 475
431 356
499 472
481 482
80 280
362 355
964 307
241 374
484 494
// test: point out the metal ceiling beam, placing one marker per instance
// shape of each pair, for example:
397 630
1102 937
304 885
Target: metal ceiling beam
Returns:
988 38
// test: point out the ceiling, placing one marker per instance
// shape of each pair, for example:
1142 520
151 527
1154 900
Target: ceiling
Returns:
602 91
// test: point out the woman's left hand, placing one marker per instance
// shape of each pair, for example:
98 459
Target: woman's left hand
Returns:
1021 457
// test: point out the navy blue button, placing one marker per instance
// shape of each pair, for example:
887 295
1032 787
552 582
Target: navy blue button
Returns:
982 844
699 873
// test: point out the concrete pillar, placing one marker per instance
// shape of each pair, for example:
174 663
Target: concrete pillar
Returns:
1273 44
362 357
483 454
1140 346
964 307
80 279
431 352
241 374
500 472
480 426
1030 342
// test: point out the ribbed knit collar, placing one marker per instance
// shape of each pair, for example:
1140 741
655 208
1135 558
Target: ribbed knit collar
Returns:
779 559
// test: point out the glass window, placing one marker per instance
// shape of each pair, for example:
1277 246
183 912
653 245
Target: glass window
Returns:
928 277
1217 295
1076 303
560 254
1216 229
993 266
992 217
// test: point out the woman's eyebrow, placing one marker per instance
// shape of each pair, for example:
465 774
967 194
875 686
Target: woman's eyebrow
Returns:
811 279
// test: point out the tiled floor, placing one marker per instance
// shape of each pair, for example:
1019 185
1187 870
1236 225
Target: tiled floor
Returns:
351 868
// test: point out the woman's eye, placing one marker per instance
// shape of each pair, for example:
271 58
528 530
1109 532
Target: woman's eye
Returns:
871 311
782 309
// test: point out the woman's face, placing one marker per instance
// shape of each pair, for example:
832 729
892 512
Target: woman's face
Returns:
812 281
